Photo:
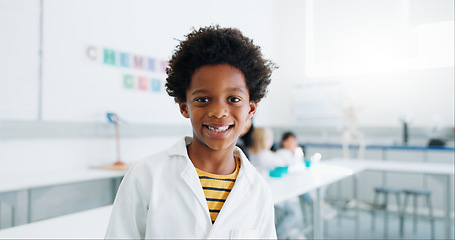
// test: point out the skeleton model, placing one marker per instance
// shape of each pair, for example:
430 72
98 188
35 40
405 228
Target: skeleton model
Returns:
350 132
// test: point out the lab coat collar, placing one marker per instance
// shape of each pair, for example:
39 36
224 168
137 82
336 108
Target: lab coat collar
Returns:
243 185
189 174
242 188
180 149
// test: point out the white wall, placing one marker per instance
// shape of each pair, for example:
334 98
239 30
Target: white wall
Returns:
19 60
76 89
389 57
20 157
40 98
73 89
313 42
299 95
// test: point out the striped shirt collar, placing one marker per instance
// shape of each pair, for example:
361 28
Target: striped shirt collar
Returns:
179 149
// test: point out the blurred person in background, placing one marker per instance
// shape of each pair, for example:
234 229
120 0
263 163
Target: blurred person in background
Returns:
261 155
288 218
289 213
289 151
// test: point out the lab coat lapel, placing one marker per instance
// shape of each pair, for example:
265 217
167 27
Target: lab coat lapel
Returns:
242 187
239 192
189 175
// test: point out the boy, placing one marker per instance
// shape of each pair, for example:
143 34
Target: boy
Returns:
204 186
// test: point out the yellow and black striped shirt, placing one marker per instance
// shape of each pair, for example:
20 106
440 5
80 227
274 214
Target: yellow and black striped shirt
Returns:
217 188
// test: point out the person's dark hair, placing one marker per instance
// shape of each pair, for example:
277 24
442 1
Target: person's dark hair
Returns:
215 45
287 135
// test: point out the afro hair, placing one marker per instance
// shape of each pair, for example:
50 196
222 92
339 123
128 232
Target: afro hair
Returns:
214 45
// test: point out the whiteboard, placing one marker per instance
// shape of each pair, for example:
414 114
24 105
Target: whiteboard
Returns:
108 56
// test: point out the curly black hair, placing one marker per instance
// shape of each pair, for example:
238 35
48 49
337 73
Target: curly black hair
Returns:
215 45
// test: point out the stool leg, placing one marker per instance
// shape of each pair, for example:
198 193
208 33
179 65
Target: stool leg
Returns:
373 213
415 215
397 196
386 214
13 216
403 212
303 202
339 202
430 209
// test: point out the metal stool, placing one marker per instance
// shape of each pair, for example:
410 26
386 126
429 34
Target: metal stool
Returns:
416 193
385 191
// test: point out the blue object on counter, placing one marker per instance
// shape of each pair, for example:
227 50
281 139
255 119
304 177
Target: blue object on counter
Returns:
278 172
307 163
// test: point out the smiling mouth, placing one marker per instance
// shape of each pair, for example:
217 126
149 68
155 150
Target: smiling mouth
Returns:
219 129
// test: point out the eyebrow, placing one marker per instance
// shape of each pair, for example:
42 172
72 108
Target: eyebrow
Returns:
228 90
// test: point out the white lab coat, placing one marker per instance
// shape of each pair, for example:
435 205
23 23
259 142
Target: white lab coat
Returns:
161 197
288 158
265 161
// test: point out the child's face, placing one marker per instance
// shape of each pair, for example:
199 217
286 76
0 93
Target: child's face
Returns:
290 143
218 105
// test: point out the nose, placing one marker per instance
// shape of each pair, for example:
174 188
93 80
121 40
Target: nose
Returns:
218 109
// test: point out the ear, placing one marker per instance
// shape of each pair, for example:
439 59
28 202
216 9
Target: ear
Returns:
252 111
184 110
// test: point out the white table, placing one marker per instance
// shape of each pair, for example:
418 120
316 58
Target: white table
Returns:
23 185
93 223
44 179
442 170
303 180
90 224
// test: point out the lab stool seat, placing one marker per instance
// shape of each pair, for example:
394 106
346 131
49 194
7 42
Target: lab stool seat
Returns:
385 191
415 193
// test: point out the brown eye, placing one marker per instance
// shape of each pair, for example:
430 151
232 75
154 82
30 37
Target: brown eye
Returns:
234 99
201 99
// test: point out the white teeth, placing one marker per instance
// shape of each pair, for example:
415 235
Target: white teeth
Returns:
220 129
